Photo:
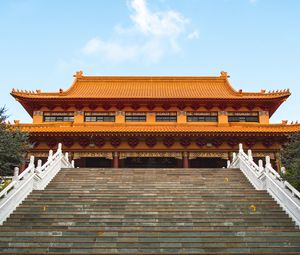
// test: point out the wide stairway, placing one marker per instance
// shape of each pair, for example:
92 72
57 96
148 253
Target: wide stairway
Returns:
149 211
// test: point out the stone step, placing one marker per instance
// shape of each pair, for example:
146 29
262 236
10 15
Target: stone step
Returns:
127 242
145 217
140 239
144 238
187 221
150 249
153 233
142 224
116 227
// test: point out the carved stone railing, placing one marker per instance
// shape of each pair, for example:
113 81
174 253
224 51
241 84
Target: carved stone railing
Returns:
31 178
266 178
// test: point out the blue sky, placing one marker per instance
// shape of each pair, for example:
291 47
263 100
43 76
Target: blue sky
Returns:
43 43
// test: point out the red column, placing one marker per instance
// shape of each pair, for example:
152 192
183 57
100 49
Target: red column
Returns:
22 168
115 160
185 160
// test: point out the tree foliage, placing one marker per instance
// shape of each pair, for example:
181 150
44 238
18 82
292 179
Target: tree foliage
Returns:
290 157
13 145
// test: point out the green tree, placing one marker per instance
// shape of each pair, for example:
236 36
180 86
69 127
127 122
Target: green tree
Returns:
13 145
290 158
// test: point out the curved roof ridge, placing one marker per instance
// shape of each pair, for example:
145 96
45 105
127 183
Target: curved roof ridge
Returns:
154 87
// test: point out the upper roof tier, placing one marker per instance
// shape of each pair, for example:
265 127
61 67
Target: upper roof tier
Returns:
150 87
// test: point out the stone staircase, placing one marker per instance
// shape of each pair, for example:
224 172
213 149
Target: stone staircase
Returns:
149 211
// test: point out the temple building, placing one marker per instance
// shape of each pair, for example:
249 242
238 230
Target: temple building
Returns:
158 121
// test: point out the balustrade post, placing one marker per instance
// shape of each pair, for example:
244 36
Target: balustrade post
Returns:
241 148
31 162
16 174
50 156
233 156
228 163
268 161
38 169
73 163
59 147
250 157
67 156
283 170
260 165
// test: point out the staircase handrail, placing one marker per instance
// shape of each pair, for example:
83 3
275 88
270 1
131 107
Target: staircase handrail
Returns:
17 178
247 158
293 191
257 170
285 184
267 178
52 158
23 184
45 173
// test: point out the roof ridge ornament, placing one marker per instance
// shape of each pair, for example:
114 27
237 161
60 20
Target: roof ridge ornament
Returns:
224 74
78 74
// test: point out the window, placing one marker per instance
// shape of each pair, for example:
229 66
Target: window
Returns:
243 117
166 117
135 117
58 116
99 117
202 116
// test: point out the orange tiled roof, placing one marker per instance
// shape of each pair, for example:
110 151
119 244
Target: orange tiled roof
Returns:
115 87
146 128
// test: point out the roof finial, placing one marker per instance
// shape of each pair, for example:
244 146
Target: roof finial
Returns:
78 74
224 74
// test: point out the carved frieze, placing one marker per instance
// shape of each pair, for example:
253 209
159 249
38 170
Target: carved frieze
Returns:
181 113
97 154
263 154
78 113
196 154
263 113
223 113
159 154
37 113
39 154
120 113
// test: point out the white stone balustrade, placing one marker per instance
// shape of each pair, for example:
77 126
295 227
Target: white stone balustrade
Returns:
266 178
31 178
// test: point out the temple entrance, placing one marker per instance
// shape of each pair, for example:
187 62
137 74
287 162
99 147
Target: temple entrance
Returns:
150 162
93 162
207 163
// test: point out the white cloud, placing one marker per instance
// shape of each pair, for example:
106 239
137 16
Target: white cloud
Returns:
166 24
193 35
150 51
152 35
112 51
